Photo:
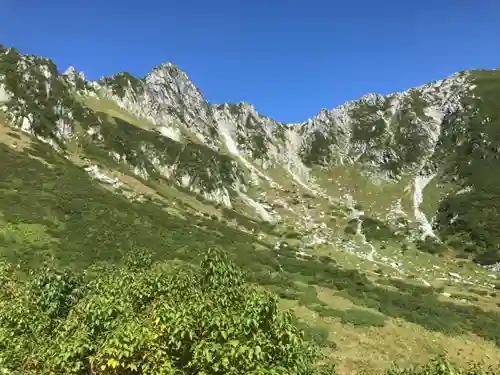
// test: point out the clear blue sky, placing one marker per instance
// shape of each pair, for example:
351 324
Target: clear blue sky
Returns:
289 58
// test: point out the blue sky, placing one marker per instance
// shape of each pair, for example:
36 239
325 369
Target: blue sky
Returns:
289 58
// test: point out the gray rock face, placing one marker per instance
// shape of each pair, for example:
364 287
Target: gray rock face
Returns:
168 99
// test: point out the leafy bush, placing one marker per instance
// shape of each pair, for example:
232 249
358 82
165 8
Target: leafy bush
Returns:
147 319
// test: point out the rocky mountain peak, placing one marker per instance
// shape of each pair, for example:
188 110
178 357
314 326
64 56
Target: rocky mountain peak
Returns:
71 71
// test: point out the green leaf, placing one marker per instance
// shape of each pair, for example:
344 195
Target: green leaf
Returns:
208 356
113 363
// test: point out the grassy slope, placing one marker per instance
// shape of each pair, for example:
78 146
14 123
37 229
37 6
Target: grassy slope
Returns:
473 143
51 210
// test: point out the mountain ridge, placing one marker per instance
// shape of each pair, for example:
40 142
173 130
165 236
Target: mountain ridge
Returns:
367 96
382 138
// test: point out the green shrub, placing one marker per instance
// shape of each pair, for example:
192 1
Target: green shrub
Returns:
351 227
309 296
318 335
431 246
291 234
147 319
375 229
